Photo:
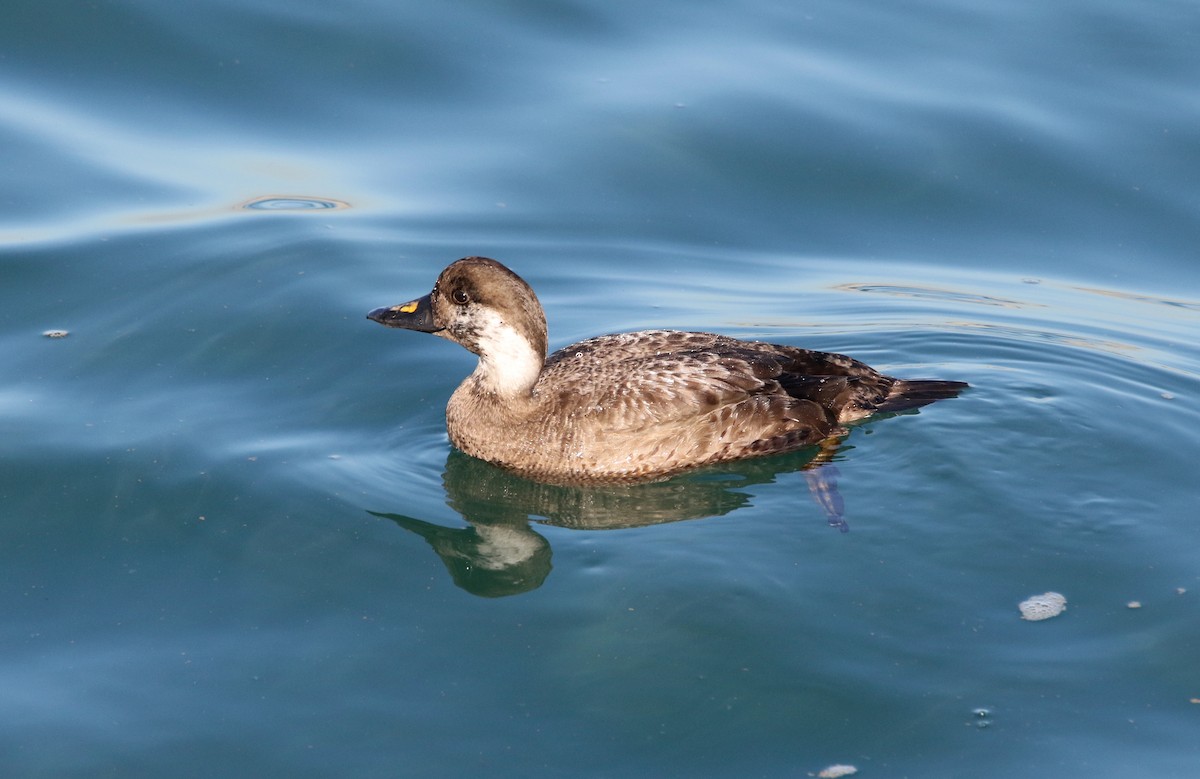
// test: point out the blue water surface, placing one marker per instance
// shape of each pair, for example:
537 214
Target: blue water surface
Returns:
235 541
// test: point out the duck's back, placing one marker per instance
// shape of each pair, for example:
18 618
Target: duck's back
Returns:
670 374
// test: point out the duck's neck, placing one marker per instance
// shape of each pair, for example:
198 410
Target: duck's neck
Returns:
508 364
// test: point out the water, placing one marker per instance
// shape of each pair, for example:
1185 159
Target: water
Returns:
235 540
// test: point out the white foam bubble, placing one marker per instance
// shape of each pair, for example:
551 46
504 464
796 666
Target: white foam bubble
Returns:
1044 606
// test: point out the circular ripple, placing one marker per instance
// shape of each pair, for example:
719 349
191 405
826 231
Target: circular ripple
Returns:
293 203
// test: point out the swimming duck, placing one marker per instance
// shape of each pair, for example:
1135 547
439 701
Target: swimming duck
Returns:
633 406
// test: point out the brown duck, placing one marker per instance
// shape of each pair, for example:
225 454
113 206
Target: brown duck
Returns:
633 406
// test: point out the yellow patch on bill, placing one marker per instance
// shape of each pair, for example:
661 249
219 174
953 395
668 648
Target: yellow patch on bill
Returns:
409 307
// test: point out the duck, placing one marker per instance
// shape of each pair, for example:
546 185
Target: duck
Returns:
636 406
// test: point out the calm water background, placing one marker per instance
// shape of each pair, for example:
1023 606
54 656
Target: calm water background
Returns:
233 542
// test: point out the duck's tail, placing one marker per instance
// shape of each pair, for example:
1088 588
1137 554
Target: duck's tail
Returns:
908 394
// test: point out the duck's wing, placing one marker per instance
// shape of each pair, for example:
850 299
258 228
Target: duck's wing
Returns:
667 375
658 379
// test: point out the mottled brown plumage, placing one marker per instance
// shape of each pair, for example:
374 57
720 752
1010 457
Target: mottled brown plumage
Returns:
638 405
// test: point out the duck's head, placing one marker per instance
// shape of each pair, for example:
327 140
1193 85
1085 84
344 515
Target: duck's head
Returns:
486 308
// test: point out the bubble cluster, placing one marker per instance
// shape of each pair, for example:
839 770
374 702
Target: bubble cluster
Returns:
1044 606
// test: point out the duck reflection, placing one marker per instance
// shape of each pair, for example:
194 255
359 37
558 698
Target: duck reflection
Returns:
500 554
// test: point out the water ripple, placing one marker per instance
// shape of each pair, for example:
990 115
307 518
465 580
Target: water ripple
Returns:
931 293
292 203
1190 305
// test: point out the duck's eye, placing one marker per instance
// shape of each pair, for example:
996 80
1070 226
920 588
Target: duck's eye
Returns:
460 296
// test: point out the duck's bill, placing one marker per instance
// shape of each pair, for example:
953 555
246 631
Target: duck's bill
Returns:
413 315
